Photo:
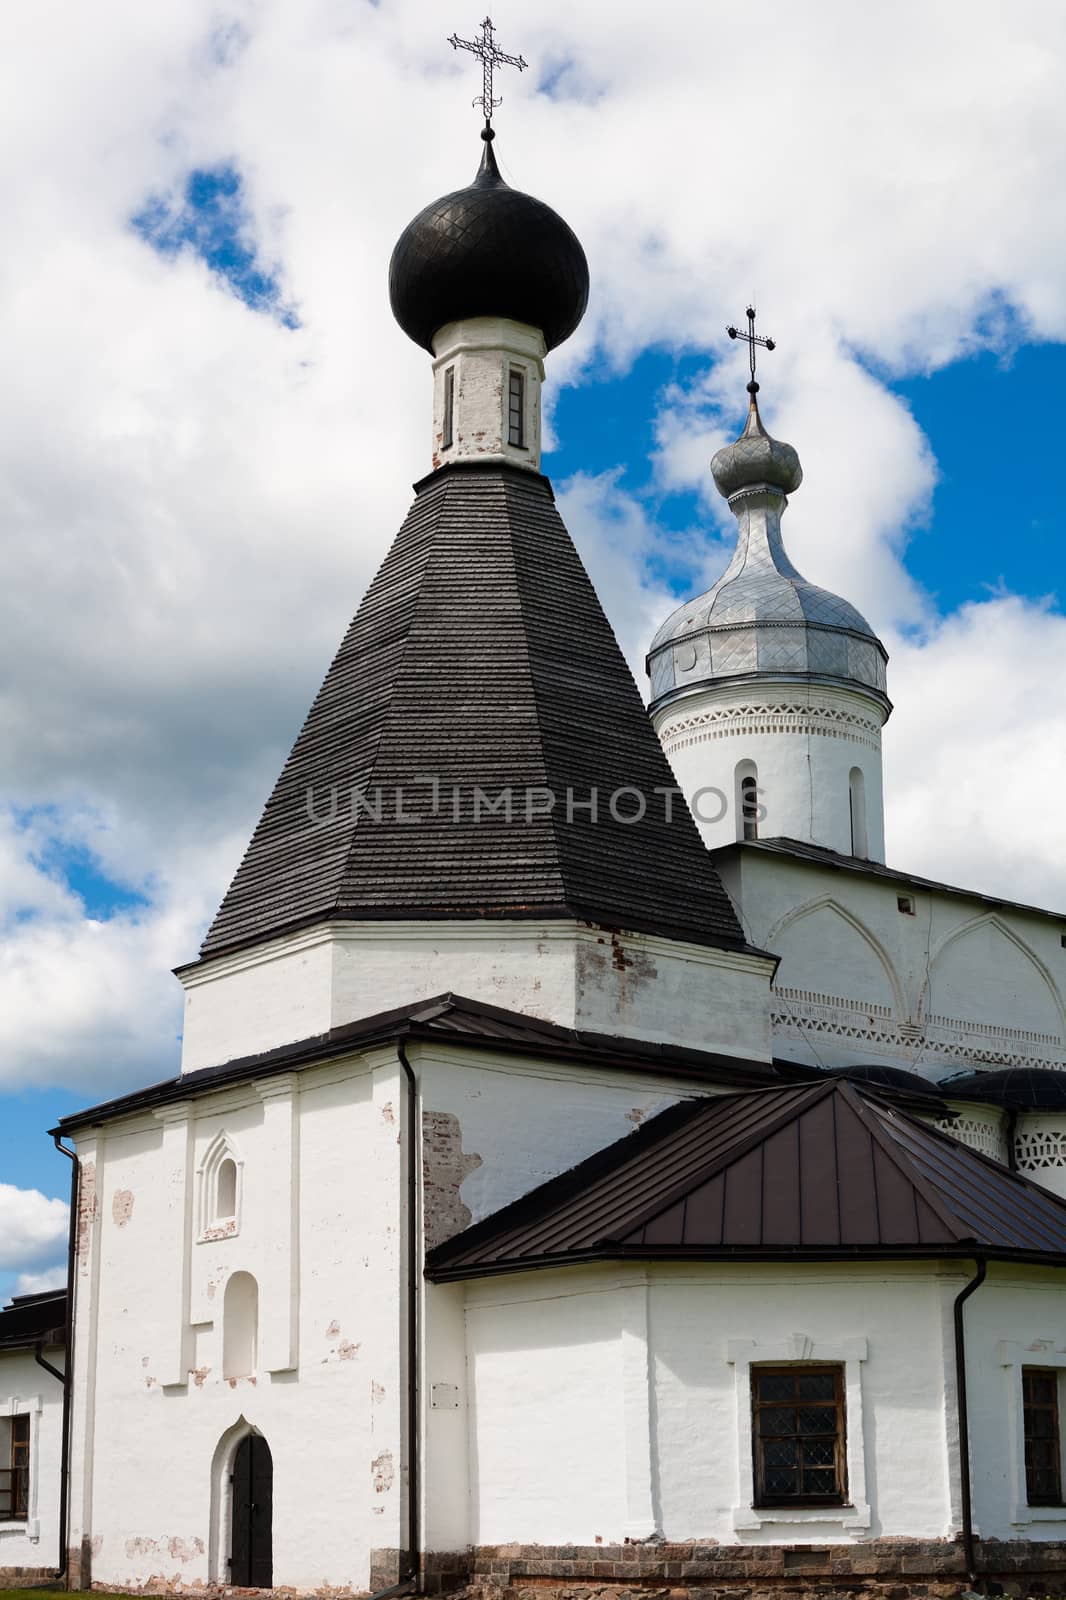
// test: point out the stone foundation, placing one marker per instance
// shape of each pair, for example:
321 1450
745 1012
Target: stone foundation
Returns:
25 1577
882 1569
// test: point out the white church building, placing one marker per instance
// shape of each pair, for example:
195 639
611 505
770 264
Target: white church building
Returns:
591 1166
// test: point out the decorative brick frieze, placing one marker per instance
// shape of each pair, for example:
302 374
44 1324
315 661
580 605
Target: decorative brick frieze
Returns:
727 722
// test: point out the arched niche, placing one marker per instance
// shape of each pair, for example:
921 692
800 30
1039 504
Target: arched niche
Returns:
240 1326
983 973
829 955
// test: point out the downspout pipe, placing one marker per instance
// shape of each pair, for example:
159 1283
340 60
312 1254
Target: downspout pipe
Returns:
411 1580
961 1298
66 1377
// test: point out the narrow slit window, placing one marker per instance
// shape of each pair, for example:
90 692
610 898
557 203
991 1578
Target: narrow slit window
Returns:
857 801
798 1435
1043 1451
749 807
15 1470
448 428
516 411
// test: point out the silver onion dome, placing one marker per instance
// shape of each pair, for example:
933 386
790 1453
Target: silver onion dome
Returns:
762 617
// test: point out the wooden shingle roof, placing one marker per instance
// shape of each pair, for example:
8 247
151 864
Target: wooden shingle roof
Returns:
817 1171
481 657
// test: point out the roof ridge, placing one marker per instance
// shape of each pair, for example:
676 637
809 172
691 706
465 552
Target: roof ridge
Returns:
808 1095
901 1159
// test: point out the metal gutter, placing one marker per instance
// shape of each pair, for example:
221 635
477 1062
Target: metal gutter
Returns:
455 1273
966 1486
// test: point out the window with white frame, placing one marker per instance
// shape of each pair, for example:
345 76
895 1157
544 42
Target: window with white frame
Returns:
799 1412
1034 1445
15 1467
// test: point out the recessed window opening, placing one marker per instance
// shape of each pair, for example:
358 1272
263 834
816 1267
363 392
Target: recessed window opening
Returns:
857 802
798 1435
240 1326
15 1468
448 427
749 791
516 409
226 1204
746 799
1062 940
1043 1450
905 903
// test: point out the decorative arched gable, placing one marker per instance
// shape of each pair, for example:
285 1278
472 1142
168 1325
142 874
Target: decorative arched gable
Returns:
220 1183
822 944
985 973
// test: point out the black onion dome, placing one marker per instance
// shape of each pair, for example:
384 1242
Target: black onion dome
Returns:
488 251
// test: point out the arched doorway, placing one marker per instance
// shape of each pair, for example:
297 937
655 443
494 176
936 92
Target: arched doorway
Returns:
251 1564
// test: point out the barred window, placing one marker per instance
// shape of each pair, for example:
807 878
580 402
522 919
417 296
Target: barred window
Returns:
799 1435
15 1470
1043 1452
516 412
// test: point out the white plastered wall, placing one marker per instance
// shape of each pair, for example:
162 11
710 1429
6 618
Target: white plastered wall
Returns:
1016 1319
803 739
953 983
320 1227
615 1402
320 1224
480 354
27 1389
633 985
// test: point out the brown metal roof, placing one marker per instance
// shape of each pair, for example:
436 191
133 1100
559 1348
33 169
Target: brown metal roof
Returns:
816 1170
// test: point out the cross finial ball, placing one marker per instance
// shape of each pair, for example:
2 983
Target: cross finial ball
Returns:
491 56
752 340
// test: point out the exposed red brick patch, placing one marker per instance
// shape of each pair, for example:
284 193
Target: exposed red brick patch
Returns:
445 1166
121 1207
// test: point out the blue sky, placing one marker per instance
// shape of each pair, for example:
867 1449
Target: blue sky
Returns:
215 422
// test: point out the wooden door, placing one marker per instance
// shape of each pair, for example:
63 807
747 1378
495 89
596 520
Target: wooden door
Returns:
252 1554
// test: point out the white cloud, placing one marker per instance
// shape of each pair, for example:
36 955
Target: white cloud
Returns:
975 763
41 1282
31 1227
194 496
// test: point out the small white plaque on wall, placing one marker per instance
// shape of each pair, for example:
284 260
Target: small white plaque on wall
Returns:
444 1397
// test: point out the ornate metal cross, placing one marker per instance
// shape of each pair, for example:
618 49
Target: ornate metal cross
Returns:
491 56
751 339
